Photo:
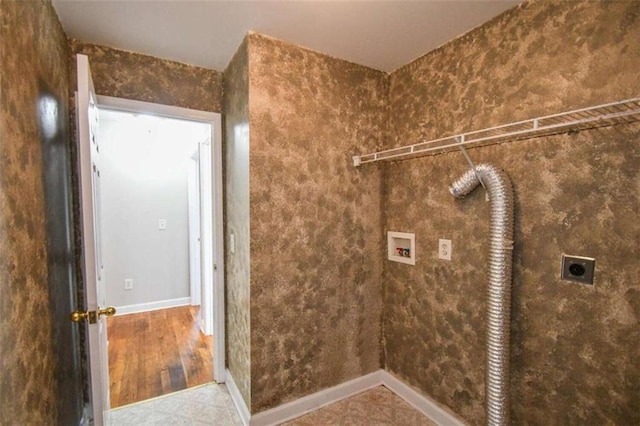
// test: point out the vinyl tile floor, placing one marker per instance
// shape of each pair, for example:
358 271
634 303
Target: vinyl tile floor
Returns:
212 405
375 407
209 404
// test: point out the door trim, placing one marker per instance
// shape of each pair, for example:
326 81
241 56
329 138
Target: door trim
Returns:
215 120
193 189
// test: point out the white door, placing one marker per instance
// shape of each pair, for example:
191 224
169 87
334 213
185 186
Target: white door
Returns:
88 153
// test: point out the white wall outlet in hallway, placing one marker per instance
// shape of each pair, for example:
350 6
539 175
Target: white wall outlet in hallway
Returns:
444 249
162 224
128 283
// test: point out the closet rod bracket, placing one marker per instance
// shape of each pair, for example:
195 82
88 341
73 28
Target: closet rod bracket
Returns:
460 140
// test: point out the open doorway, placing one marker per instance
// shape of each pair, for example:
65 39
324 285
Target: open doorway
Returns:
161 248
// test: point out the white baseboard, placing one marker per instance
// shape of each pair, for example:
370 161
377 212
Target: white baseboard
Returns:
238 400
312 402
426 406
152 306
307 404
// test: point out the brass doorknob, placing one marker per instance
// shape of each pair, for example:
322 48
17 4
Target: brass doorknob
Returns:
109 311
77 316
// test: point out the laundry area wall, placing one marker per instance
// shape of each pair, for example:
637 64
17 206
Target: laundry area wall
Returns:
571 344
539 58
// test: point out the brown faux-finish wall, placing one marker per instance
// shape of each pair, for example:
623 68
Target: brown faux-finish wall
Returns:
130 75
315 221
573 346
236 125
33 127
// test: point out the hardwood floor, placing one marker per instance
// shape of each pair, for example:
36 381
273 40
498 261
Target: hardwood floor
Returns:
156 353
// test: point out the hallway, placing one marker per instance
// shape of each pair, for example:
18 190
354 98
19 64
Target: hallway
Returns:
155 353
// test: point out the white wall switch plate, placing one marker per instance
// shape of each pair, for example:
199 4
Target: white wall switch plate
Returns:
232 243
128 284
162 224
444 249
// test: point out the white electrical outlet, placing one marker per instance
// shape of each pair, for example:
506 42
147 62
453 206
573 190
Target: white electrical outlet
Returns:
444 249
128 284
162 224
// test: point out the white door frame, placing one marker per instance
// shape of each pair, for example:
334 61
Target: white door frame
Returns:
214 119
206 244
193 187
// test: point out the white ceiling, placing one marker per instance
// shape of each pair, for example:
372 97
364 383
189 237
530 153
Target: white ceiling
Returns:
380 34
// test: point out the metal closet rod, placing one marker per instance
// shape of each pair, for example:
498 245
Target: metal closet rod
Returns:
626 111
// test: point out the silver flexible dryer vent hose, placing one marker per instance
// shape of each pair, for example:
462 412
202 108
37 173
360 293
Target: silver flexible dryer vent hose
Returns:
500 194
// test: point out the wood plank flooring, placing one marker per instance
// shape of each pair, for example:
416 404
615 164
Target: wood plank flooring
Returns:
156 353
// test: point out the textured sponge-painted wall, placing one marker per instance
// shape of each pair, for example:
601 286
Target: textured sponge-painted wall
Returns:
572 345
131 75
236 107
35 385
315 221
